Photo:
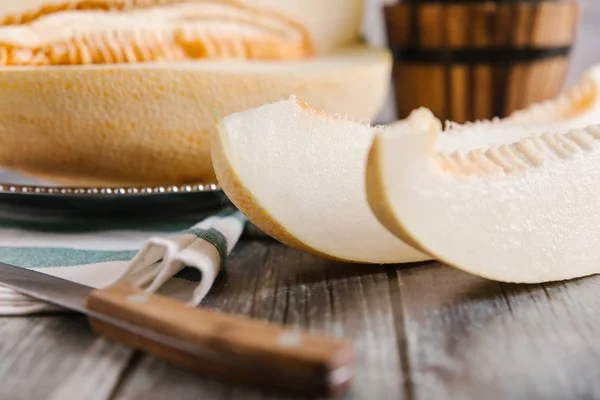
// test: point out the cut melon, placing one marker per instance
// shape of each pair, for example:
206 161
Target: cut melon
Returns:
298 174
150 123
524 212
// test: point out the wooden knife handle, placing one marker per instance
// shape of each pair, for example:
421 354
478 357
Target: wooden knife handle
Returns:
222 345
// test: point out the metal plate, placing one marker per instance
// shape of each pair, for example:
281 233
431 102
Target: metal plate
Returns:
26 200
11 183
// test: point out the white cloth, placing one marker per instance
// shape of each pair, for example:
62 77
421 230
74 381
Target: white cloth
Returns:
154 261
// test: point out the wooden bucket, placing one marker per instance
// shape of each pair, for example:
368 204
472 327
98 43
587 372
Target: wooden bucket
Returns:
469 59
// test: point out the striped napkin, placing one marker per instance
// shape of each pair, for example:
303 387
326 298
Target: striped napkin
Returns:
183 263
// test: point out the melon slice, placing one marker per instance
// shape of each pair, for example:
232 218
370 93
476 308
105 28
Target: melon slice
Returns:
298 174
525 212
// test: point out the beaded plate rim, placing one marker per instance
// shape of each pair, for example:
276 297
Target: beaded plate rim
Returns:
11 188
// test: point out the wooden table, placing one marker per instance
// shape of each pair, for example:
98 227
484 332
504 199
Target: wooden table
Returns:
420 331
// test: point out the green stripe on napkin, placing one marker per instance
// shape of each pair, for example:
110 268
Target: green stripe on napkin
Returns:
213 237
44 257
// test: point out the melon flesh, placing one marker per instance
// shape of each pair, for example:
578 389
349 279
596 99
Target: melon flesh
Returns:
332 24
298 174
178 31
526 212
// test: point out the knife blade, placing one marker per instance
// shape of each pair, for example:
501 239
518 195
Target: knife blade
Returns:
222 345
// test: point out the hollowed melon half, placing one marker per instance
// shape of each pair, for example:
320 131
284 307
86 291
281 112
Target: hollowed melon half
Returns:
298 174
150 123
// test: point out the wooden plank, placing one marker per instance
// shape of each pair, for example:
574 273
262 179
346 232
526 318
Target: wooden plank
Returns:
57 357
482 92
460 93
555 24
420 85
271 282
458 36
471 338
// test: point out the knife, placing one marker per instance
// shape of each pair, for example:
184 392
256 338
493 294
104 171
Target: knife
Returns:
222 345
